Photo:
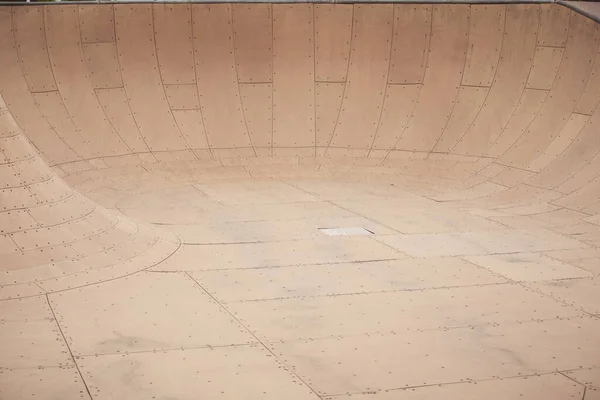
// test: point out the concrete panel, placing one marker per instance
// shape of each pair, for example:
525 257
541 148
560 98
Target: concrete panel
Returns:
520 32
546 62
566 90
103 65
293 77
182 97
167 172
398 106
97 23
333 31
257 100
253 40
68 65
545 386
192 127
446 60
30 37
142 82
344 278
216 76
75 307
115 104
174 47
18 97
379 360
253 369
53 109
367 76
486 36
328 99
410 44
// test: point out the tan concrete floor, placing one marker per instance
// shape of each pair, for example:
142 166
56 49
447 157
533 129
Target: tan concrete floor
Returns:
257 303
165 171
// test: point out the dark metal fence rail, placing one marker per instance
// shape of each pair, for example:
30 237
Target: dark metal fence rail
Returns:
590 9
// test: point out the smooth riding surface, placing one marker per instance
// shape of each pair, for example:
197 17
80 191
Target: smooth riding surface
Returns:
167 171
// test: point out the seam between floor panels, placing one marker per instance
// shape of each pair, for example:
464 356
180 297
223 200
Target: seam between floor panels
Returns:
68 347
261 342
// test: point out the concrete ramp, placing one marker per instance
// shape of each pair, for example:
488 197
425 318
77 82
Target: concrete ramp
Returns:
170 176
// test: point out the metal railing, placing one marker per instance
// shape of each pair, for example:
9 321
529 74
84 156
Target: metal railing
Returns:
590 9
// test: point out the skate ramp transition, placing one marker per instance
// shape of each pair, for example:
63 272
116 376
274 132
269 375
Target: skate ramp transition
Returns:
486 112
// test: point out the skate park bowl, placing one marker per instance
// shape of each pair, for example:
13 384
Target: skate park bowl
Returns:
299 201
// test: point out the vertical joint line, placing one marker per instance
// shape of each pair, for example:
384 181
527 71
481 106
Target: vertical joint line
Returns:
68 347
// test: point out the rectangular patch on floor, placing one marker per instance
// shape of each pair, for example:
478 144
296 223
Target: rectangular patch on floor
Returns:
351 231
